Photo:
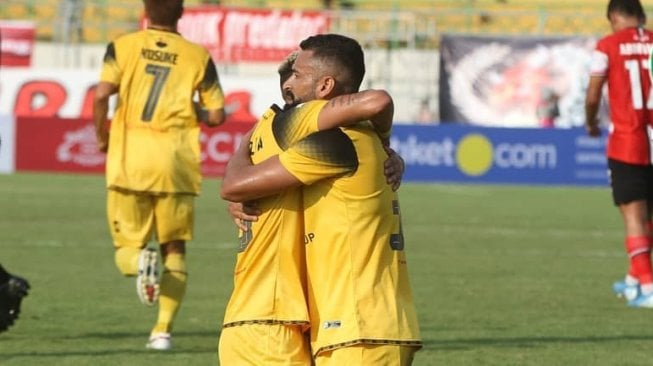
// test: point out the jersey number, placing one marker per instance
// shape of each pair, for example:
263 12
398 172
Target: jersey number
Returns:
160 75
636 84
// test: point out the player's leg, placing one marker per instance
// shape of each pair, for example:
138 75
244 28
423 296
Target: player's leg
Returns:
630 191
367 354
264 344
174 225
131 221
638 245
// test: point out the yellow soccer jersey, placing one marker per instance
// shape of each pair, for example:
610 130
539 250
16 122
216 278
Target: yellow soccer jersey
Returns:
356 264
269 277
154 135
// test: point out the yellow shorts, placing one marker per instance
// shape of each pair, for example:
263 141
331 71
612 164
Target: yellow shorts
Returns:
264 344
135 216
368 354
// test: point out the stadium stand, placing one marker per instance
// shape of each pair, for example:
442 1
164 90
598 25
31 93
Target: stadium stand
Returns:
103 20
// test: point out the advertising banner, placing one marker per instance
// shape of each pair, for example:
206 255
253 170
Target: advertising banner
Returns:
69 145
258 35
69 94
16 43
451 153
7 138
514 81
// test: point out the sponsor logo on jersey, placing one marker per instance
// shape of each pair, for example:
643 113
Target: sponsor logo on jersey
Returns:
330 324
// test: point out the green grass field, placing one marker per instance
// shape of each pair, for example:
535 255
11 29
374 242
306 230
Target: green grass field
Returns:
501 276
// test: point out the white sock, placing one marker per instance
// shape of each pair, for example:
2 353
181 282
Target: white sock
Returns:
647 289
630 280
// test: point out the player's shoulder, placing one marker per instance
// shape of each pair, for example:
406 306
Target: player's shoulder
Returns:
130 37
193 47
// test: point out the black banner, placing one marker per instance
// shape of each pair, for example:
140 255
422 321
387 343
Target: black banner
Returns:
514 81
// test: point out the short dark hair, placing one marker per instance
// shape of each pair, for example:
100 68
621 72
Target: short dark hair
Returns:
164 12
285 69
343 53
631 8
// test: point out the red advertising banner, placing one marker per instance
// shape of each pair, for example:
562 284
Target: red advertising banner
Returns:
69 145
69 94
16 43
260 35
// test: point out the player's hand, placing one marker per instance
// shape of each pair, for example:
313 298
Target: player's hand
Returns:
102 142
394 168
17 287
593 130
241 212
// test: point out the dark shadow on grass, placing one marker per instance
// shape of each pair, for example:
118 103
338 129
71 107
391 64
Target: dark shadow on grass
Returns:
526 342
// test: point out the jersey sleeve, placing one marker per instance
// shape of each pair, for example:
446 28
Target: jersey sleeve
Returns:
321 155
210 91
290 126
599 60
110 69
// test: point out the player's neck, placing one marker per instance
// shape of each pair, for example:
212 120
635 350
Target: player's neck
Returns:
620 23
165 28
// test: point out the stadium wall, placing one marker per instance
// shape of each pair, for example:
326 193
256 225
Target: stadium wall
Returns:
445 153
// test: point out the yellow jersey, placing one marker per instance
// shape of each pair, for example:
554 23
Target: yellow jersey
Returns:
154 134
270 272
359 291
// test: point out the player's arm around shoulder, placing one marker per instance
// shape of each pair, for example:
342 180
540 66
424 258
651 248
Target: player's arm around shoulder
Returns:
244 181
374 105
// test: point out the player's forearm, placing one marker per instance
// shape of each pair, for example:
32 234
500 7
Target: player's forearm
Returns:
374 105
593 100
100 111
244 181
591 112
383 112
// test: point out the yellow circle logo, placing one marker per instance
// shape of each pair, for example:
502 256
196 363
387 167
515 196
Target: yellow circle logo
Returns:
474 155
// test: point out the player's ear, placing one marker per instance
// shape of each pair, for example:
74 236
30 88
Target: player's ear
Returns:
325 87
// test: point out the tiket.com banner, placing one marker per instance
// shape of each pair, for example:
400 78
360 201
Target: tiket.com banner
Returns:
512 82
454 153
16 43
259 35
69 145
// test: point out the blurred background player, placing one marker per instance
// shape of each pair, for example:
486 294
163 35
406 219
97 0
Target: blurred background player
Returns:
621 59
153 162
354 244
12 291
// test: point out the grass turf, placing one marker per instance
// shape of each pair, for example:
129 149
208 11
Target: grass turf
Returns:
501 276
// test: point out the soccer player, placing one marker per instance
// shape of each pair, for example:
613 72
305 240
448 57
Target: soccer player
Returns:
12 291
360 302
621 59
153 152
267 314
